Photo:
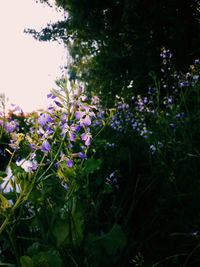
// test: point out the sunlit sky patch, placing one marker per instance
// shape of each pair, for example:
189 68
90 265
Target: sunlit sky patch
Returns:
28 68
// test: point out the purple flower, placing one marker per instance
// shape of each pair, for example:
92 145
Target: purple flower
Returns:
70 130
65 186
49 130
45 146
86 121
77 128
86 137
95 99
83 97
51 107
11 126
44 118
84 116
58 104
32 145
152 149
82 155
72 136
79 114
57 163
16 108
69 162
51 96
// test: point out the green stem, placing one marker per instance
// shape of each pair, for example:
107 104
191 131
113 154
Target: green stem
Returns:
168 258
53 161
4 224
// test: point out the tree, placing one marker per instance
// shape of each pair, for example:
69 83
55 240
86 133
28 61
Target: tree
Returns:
115 42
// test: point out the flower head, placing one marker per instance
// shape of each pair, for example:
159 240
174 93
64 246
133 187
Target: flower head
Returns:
69 162
44 118
86 137
27 165
45 146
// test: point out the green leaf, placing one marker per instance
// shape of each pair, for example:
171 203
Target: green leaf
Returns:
61 231
5 205
92 165
114 240
26 261
34 248
77 225
16 169
3 174
50 258
70 230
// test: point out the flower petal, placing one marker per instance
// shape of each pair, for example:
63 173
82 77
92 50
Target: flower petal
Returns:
45 146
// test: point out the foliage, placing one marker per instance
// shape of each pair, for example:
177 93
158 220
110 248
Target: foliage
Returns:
115 44
93 186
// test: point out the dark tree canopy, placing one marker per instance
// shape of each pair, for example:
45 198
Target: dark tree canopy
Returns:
115 42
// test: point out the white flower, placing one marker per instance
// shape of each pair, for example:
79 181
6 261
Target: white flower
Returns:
7 186
27 165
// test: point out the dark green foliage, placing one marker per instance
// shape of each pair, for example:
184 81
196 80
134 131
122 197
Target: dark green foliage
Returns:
116 42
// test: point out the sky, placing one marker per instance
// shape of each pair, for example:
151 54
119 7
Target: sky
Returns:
28 68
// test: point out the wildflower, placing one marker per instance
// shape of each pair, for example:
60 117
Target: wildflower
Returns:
51 96
58 104
11 126
27 165
86 137
45 146
85 116
8 185
82 155
152 149
44 118
69 162
95 100
70 130
195 77
16 140
83 97
179 115
72 136
65 186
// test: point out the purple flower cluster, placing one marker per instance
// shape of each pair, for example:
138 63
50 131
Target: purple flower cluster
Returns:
11 125
69 121
112 179
144 114
131 116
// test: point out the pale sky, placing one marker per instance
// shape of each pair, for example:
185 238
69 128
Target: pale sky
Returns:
28 68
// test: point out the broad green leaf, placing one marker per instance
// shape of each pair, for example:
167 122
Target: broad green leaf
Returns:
61 231
26 261
114 240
